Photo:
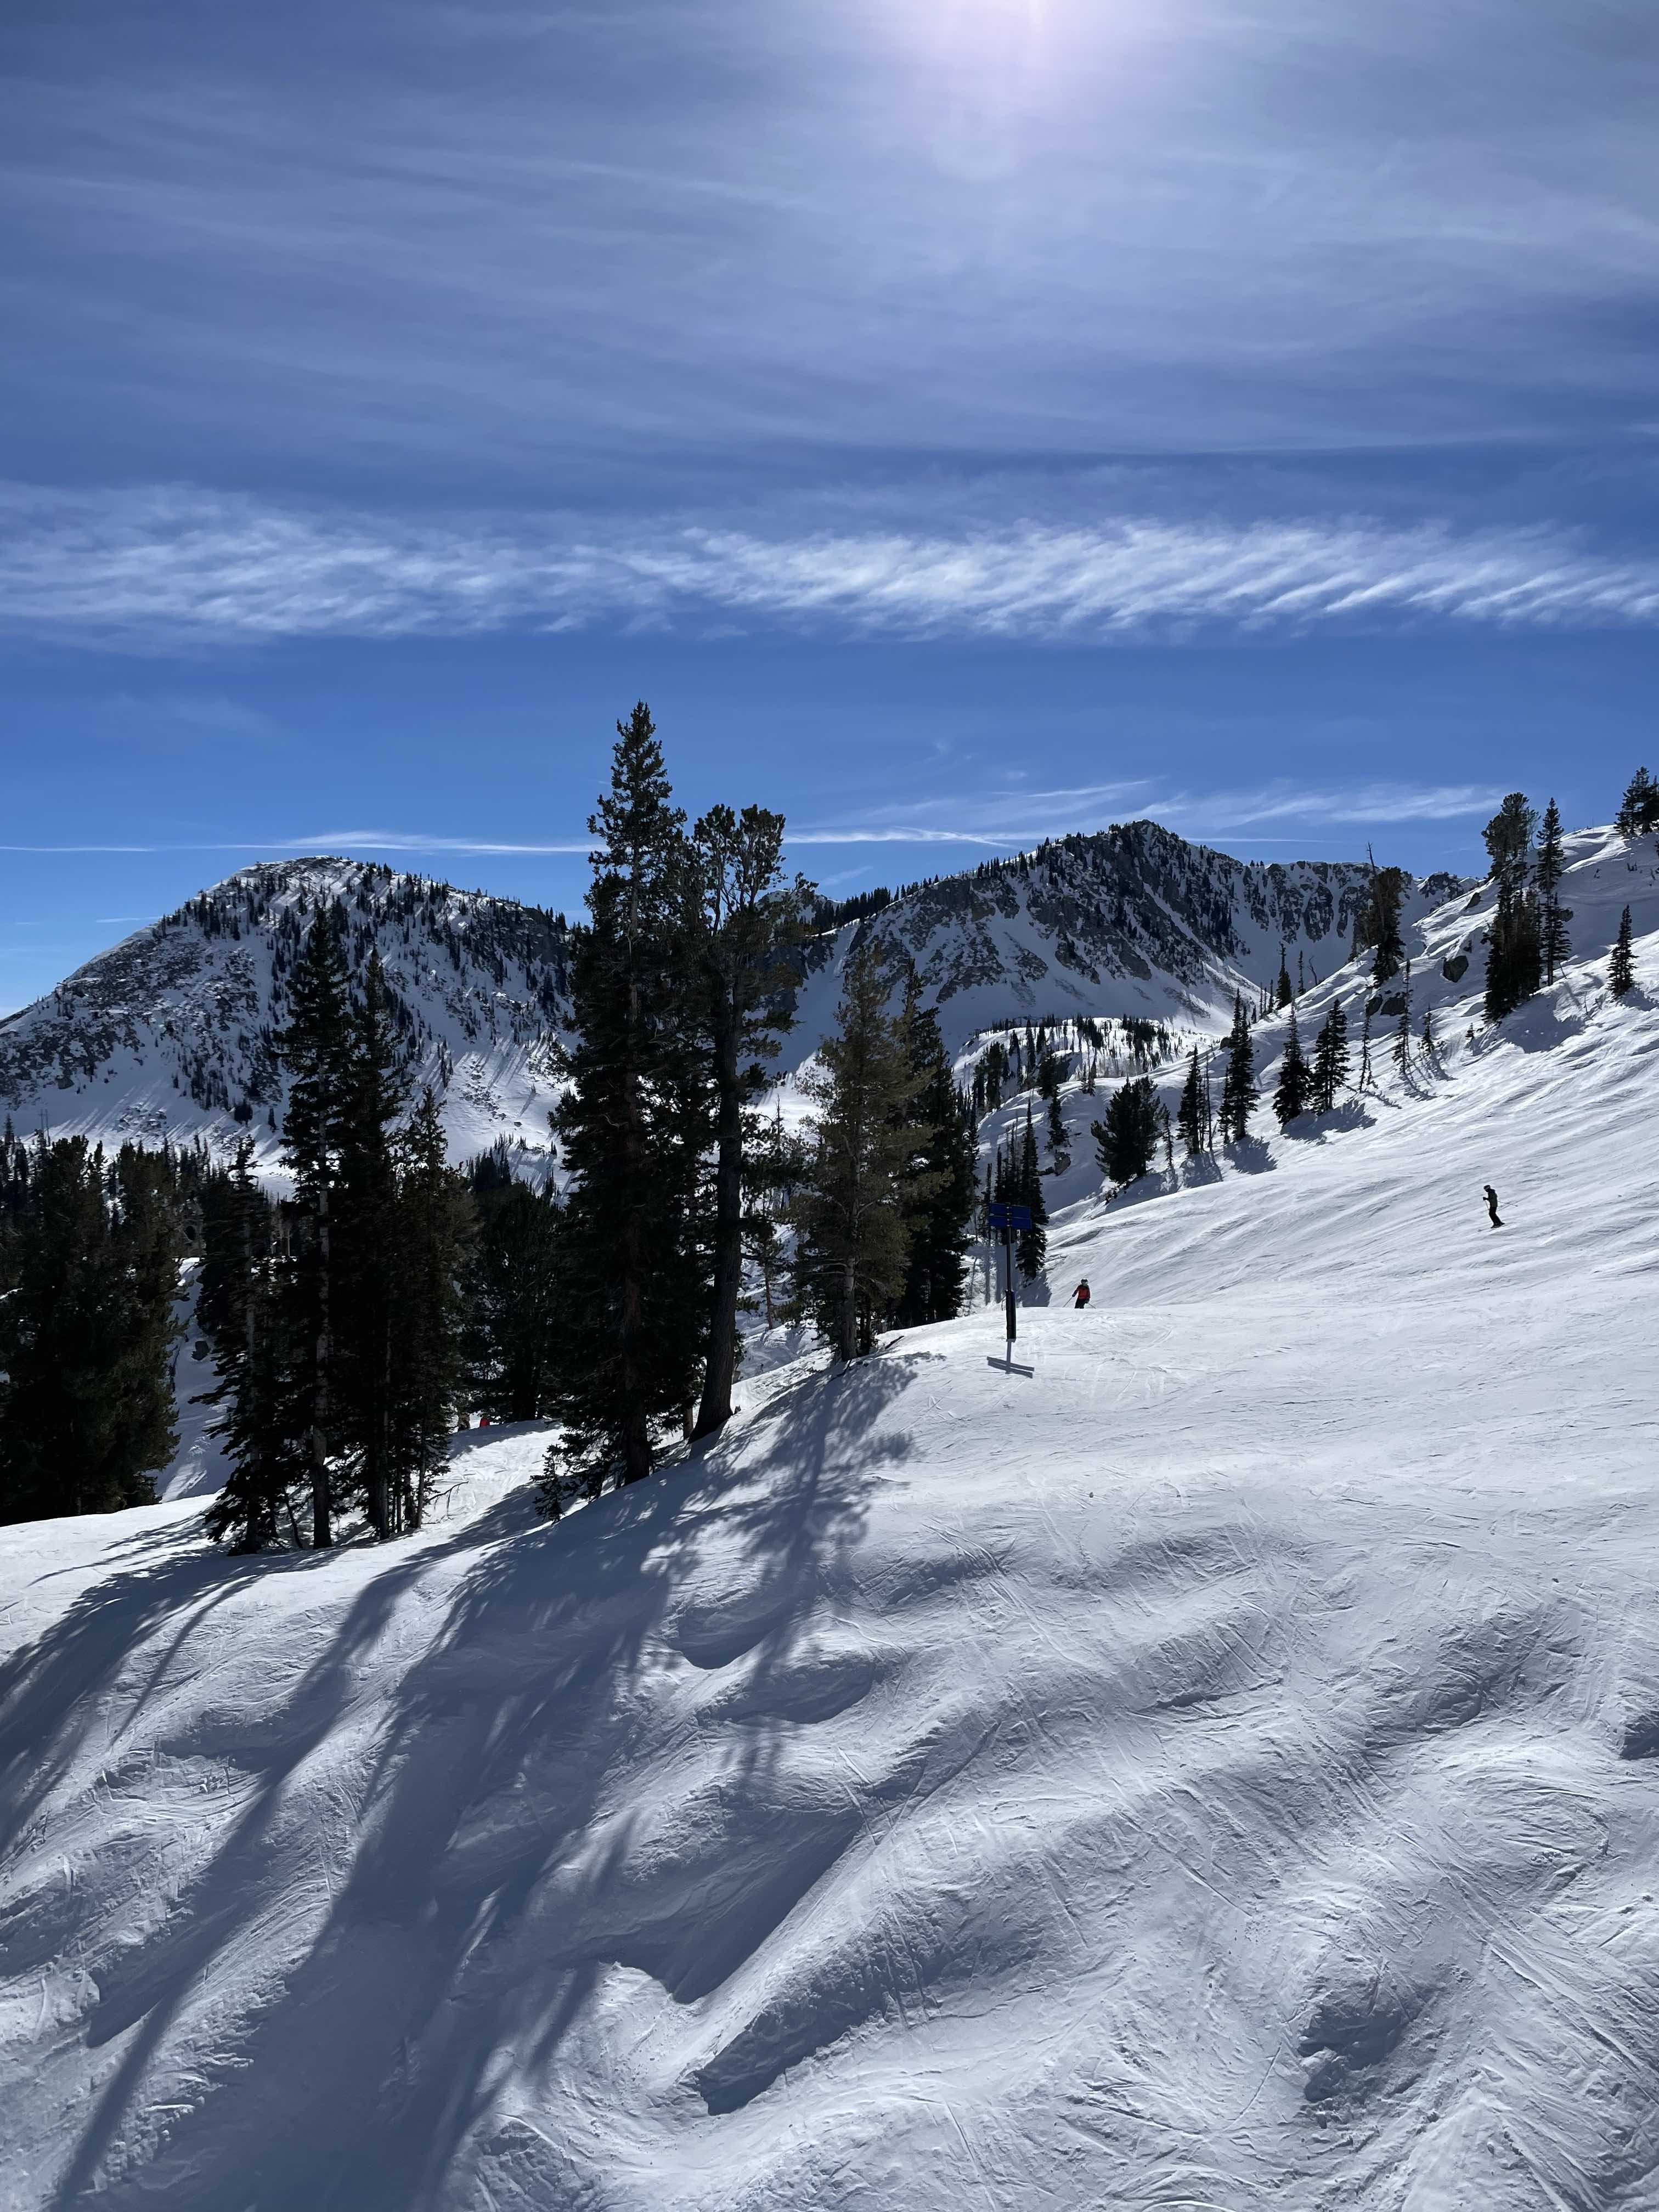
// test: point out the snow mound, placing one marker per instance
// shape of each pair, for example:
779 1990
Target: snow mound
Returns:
1210 1760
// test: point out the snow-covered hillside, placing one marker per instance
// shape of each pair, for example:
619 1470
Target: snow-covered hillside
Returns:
1213 1762
1129 922
171 1034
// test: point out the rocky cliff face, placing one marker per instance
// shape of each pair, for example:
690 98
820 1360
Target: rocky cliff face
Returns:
171 1034
1130 921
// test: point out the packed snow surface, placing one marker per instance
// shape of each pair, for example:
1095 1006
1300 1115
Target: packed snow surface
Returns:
1211 1760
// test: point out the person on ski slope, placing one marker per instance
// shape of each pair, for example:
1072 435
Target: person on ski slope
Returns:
1491 1206
1080 1295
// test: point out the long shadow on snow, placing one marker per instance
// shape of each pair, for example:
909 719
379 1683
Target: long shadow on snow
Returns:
50 1689
493 1884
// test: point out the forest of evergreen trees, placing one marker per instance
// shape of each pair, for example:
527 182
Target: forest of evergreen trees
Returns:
350 1324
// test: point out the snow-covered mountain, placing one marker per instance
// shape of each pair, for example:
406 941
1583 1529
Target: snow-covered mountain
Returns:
171 1034
1130 921
1212 1761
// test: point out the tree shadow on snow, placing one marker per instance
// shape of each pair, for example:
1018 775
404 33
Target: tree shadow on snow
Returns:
481 1888
1313 1129
1251 1156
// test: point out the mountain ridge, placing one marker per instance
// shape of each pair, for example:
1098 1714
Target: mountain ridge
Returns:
170 1035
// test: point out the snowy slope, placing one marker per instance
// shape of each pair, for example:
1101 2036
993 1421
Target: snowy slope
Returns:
1130 921
171 1034
1217 1767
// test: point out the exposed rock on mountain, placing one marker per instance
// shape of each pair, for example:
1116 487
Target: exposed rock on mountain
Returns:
1131 920
171 1034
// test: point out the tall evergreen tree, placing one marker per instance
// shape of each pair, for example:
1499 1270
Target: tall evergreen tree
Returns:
514 1294
1125 1139
364 1241
1549 867
744 918
774 1168
633 1129
1638 811
87 1330
1239 1093
1381 929
1190 1114
1031 1245
1283 995
1290 1093
431 1229
315 1048
1330 1063
939 1181
249 1317
1621 966
852 1236
1514 951
1060 1144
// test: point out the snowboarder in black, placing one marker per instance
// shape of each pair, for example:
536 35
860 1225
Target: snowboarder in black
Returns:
1080 1295
1491 1206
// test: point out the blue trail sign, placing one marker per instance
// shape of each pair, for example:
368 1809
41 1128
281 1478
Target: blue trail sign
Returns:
1008 1218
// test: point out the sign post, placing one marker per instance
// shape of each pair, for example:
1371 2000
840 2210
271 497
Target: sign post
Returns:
1008 1218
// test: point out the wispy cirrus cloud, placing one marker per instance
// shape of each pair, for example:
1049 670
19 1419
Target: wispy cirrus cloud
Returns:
165 566
1013 817
999 818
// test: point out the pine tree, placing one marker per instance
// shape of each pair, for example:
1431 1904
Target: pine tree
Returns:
1059 1148
1514 950
1031 1245
1290 1093
1507 839
744 918
248 1318
514 1294
87 1330
853 1238
1127 1138
367 1261
315 1048
430 1231
1381 929
939 1190
774 1168
1554 944
1402 1042
1365 1049
1239 1094
633 1127
1638 811
145 1251
1330 1062
1283 994
1621 966
1189 1113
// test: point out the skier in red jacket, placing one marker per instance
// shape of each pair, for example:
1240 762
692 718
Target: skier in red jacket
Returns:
1080 1295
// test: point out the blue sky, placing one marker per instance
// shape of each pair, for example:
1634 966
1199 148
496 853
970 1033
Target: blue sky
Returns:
962 420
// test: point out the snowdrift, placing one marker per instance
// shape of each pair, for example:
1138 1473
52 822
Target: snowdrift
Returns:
1212 1761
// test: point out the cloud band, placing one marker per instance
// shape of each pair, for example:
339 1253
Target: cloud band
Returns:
132 568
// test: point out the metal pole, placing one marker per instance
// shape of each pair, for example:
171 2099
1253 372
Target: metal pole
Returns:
1008 1270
